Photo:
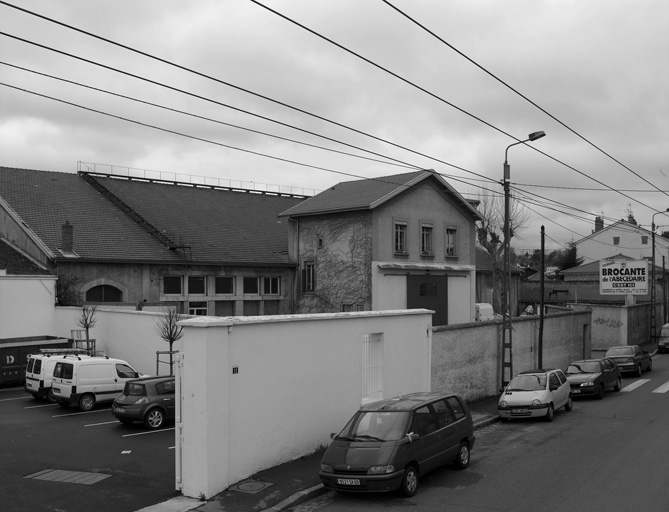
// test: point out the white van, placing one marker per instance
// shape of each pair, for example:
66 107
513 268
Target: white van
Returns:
87 381
39 370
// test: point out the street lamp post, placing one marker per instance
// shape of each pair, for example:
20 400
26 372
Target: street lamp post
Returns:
506 290
652 281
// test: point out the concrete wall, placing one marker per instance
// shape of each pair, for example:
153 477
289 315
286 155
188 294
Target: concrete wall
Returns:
259 391
27 305
465 358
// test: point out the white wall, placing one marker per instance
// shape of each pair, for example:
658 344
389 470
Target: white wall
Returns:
27 306
299 379
124 334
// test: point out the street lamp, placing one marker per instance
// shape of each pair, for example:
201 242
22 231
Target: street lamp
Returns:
506 295
652 281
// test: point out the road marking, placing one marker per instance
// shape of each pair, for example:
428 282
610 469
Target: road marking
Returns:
78 413
663 388
149 432
104 423
38 406
635 385
17 398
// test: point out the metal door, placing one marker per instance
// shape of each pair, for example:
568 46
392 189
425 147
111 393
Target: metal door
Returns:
429 292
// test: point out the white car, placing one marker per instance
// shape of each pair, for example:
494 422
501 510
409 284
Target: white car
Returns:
534 394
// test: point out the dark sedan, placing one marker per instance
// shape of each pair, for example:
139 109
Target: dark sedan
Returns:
150 400
631 358
593 376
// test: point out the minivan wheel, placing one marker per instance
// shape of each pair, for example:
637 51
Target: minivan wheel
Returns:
154 419
462 458
550 413
86 402
50 397
409 482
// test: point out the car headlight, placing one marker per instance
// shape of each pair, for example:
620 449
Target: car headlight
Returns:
503 404
587 384
536 402
325 468
381 470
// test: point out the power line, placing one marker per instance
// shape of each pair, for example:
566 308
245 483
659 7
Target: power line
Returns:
521 95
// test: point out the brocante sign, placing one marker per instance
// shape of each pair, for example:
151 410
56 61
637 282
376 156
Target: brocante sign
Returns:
623 277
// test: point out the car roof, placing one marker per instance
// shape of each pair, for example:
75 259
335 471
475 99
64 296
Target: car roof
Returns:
156 379
589 360
538 371
406 402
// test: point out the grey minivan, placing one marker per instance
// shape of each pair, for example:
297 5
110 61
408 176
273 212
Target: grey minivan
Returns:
388 444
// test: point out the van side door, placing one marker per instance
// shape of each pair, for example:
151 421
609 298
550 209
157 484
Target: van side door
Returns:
424 424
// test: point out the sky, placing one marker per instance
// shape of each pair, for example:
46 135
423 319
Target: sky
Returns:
298 95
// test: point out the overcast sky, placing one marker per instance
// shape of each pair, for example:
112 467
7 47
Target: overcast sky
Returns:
442 84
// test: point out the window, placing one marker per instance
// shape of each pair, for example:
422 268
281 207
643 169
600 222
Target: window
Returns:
426 240
63 370
172 285
400 246
644 240
424 422
309 276
197 308
271 285
125 372
451 241
372 367
224 285
456 406
196 285
616 240
443 413
104 293
251 285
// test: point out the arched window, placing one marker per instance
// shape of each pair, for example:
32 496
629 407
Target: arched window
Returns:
104 293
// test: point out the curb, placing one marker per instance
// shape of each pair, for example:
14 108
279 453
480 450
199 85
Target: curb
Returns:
488 421
299 497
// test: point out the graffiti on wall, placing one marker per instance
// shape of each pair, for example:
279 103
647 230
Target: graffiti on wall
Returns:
608 322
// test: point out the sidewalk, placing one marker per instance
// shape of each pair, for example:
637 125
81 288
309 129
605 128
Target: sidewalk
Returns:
288 484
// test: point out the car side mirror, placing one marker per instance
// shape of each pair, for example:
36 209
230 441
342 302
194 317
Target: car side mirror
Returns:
333 435
413 437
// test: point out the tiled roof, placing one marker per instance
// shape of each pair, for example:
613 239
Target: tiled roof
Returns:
219 226
16 263
593 267
369 193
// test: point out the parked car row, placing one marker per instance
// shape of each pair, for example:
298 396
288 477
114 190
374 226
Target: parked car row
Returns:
71 378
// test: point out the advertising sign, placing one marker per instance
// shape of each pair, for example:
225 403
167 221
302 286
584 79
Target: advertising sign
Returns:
623 277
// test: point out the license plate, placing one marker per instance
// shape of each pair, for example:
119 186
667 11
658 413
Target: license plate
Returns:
56 390
119 409
576 391
348 481
29 384
520 411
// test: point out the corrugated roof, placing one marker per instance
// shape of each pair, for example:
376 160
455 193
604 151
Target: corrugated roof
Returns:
367 194
219 226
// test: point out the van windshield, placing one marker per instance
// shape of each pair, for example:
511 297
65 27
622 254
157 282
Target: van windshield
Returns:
376 426
63 370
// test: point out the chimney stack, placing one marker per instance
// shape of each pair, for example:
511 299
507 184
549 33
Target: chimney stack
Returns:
68 237
599 224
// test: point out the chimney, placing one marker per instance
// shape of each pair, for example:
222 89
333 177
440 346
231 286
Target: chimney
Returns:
599 224
68 237
631 219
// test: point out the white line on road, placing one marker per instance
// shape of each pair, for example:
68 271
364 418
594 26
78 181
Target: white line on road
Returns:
104 423
17 398
635 385
38 406
663 388
149 432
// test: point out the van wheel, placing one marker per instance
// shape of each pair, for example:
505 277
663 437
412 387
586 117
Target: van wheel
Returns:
154 419
462 458
409 485
86 402
50 397
64 404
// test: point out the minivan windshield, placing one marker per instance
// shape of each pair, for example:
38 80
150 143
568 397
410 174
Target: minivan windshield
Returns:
376 426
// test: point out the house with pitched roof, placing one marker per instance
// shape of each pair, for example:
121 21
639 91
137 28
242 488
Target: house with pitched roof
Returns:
395 242
123 240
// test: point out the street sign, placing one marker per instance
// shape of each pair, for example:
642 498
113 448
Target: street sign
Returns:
623 277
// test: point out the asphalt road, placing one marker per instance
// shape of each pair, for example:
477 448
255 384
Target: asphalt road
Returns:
39 437
607 455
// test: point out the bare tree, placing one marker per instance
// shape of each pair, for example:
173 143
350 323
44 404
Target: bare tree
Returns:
86 319
167 329
490 235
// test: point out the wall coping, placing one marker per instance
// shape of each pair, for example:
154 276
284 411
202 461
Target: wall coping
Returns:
515 319
209 321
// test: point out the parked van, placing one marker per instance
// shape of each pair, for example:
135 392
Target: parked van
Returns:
86 381
389 444
39 370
